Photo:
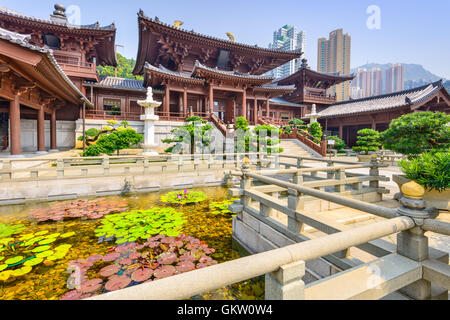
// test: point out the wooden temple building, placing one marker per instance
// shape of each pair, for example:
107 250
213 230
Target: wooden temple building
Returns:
50 85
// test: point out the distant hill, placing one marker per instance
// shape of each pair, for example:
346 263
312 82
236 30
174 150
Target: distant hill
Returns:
414 72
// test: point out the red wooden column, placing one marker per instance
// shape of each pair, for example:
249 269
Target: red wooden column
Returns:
185 99
255 112
14 127
244 103
211 98
341 130
53 144
167 101
268 108
41 130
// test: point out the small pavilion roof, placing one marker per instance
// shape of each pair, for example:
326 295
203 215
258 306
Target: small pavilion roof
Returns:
118 83
282 102
385 102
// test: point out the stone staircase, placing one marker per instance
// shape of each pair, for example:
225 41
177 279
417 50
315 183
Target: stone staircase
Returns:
294 148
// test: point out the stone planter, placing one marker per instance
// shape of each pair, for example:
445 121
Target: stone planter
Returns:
366 157
439 200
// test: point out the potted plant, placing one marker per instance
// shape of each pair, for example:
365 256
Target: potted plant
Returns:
368 141
432 171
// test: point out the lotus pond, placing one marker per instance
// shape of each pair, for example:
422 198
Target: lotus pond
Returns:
76 249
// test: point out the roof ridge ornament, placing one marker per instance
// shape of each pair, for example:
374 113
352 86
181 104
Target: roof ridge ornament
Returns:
59 15
231 36
177 24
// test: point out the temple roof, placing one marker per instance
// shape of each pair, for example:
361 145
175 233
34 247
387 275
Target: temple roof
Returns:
94 26
336 77
119 83
23 41
198 68
104 35
282 102
385 102
188 45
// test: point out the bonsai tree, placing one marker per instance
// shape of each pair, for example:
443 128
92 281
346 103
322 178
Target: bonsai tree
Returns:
368 140
122 138
339 143
415 133
431 170
195 130
315 129
297 123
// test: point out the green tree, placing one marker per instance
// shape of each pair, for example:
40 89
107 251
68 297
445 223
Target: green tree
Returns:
196 132
124 69
415 133
122 138
339 143
297 123
368 140
315 129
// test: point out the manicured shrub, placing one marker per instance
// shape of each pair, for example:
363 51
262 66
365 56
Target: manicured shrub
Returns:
368 140
298 123
416 133
190 133
115 141
315 129
339 143
431 170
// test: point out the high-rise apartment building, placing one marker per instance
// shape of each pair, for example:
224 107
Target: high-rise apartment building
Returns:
333 56
395 78
369 83
288 38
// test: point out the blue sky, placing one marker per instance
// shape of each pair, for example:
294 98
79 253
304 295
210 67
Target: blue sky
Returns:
412 31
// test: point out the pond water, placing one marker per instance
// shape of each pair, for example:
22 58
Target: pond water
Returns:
79 248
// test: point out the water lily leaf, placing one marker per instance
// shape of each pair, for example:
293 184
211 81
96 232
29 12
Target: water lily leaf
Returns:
63 247
5 275
41 233
33 262
1 258
22 271
53 235
3 267
68 235
14 260
41 249
45 254
47 241
27 237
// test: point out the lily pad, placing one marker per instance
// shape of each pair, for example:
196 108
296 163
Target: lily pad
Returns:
47 241
63 247
14 260
33 262
117 283
41 249
45 254
68 235
41 233
3 267
142 274
22 271
109 270
5 275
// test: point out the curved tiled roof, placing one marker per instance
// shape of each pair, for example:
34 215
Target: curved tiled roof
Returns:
383 102
283 102
142 15
336 75
119 83
199 66
22 40
94 26
274 86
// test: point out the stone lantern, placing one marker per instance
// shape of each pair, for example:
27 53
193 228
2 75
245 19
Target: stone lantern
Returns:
314 115
149 119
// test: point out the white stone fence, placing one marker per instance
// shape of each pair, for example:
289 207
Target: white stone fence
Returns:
411 269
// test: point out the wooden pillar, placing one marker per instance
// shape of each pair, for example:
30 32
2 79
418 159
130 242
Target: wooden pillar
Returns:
41 130
244 103
84 125
268 108
185 99
374 123
255 112
341 130
53 144
167 101
211 99
14 127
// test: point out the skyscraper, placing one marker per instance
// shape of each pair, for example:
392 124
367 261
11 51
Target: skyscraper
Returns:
333 56
288 38
395 78
367 83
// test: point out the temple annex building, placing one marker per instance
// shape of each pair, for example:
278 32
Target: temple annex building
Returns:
50 86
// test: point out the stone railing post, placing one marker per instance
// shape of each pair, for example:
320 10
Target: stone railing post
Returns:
146 166
413 243
340 175
106 165
374 171
295 203
7 167
286 283
60 168
246 182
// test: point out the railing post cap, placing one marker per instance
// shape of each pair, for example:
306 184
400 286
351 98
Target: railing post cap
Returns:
413 190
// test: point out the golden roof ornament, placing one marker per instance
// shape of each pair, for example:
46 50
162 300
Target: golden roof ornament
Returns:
231 37
177 24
